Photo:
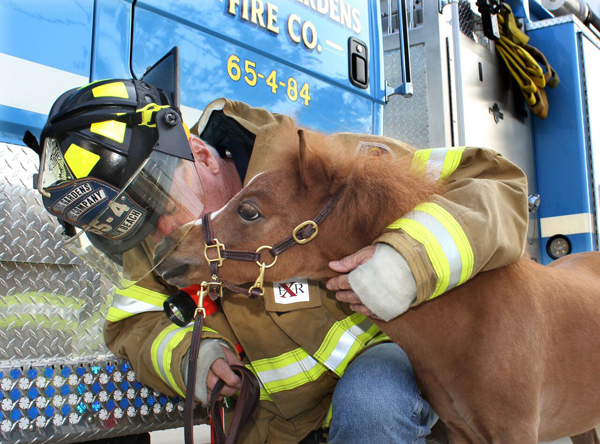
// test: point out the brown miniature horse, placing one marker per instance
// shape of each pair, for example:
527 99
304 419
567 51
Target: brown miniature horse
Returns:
511 356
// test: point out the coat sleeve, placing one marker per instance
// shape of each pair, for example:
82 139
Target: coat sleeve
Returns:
151 342
479 223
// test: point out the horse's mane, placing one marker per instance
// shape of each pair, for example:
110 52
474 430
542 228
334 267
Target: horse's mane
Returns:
379 191
374 191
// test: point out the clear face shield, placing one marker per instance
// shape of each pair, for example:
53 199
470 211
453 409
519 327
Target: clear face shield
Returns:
117 230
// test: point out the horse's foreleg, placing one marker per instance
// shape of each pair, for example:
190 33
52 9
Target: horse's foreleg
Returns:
590 437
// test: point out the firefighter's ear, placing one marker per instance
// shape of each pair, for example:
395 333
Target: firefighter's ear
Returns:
204 155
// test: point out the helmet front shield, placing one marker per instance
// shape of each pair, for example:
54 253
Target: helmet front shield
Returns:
163 195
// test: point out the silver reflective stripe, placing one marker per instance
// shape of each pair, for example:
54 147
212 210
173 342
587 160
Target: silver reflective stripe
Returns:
289 371
435 163
133 306
438 163
345 343
446 242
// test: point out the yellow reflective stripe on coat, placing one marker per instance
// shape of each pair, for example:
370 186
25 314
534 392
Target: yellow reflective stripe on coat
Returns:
327 420
134 300
379 338
445 242
162 353
162 349
343 340
295 368
438 163
287 371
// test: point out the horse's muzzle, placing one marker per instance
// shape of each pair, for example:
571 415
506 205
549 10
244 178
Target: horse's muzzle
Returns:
175 276
170 268
164 248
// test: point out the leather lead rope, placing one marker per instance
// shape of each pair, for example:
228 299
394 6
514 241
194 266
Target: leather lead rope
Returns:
247 399
246 404
188 412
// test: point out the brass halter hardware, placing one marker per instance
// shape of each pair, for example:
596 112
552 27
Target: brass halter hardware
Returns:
222 254
219 259
201 295
301 227
215 287
265 247
258 284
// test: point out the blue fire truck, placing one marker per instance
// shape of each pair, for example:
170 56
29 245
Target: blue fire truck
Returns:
327 63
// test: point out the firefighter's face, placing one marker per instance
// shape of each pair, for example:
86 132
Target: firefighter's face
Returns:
219 183
176 213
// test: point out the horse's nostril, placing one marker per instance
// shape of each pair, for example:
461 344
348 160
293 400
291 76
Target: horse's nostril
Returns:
164 248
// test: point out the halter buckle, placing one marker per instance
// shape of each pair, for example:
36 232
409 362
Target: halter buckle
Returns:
219 259
207 289
301 227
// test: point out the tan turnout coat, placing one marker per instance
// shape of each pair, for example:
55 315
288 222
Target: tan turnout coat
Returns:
486 198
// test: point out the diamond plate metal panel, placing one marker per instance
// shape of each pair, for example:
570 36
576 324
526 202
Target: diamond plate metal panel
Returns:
51 305
58 381
407 119
27 232
50 311
81 401
470 23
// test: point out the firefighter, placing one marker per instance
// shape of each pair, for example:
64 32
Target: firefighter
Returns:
120 170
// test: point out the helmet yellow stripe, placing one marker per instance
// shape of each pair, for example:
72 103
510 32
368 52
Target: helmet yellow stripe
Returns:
186 129
80 160
112 129
115 89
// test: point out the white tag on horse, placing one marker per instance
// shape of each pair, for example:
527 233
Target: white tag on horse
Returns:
291 291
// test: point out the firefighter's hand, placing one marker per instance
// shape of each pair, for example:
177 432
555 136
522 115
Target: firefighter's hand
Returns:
220 369
341 285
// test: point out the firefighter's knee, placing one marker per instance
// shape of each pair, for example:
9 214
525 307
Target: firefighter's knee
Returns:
378 397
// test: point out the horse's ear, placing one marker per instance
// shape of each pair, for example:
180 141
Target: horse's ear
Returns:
319 167
314 166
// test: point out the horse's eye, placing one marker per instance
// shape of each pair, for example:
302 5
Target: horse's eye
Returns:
248 211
